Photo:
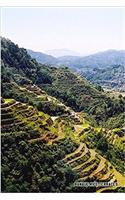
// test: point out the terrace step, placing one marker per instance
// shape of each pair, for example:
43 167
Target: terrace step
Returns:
9 121
80 160
90 161
7 104
87 171
102 167
6 115
44 138
25 112
8 128
10 107
70 156
61 134
108 176
78 155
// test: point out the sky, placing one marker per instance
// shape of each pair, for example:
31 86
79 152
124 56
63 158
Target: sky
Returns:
84 30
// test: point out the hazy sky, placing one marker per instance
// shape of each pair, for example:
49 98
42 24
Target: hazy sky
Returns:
85 30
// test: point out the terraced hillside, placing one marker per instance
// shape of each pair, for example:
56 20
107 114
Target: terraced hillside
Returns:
93 167
17 116
109 143
53 129
36 127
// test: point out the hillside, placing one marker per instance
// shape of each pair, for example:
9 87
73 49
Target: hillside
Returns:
57 129
65 85
110 78
76 92
36 133
105 68
55 148
99 60
42 58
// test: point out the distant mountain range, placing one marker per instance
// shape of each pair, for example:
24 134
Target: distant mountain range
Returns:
105 68
42 58
98 60
62 52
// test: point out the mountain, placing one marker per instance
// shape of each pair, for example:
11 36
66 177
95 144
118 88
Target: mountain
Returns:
66 60
57 129
98 60
62 52
105 68
42 58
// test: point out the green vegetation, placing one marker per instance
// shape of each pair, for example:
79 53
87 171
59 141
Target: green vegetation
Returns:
108 77
56 128
65 85
109 144
77 93
34 167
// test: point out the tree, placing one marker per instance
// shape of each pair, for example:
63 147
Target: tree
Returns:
102 144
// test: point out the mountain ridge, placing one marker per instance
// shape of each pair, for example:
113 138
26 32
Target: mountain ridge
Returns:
112 52
94 65
42 57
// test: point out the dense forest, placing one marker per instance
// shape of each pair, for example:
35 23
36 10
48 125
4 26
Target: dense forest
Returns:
57 128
